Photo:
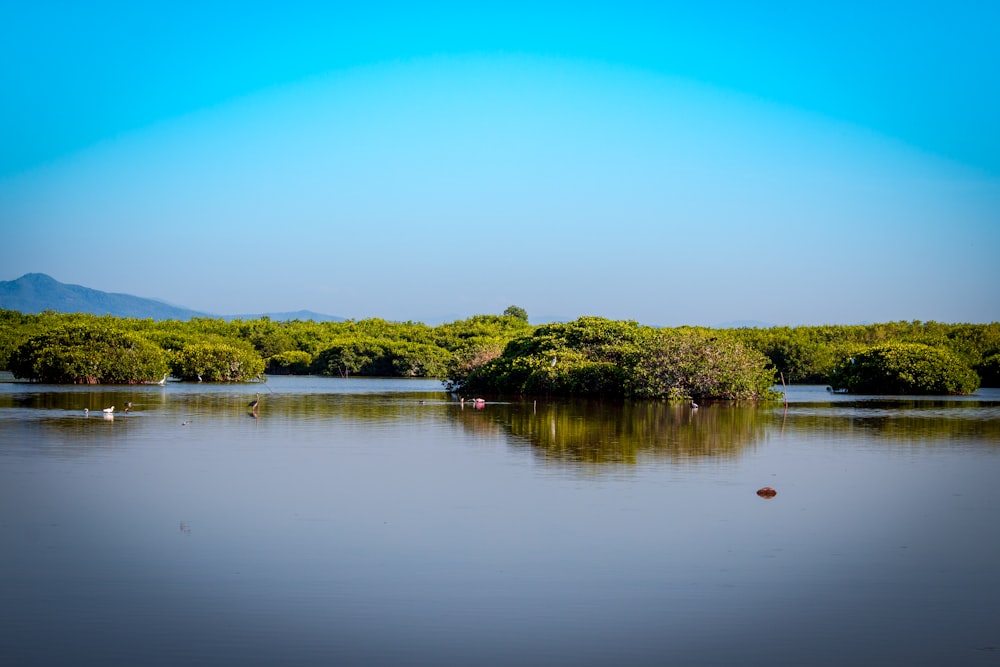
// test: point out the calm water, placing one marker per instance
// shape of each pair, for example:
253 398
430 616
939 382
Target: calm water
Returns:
375 522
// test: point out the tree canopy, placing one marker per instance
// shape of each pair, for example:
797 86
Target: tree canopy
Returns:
594 356
82 354
904 368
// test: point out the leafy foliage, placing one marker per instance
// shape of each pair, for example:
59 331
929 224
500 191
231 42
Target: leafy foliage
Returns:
516 311
904 368
380 357
989 371
695 364
88 354
597 357
218 362
809 354
293 362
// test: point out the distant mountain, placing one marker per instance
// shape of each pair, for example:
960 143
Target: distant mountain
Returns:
35 292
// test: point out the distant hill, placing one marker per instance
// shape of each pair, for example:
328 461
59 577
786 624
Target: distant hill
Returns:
36 292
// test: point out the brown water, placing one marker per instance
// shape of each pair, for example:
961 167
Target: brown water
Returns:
379 522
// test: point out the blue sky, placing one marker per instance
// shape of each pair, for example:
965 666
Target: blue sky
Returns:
671 163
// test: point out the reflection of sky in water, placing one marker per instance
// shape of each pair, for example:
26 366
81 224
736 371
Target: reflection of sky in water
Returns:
376 529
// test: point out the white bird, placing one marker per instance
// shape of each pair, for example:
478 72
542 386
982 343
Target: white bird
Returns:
554 360
164 380
86 412
108 411
694 406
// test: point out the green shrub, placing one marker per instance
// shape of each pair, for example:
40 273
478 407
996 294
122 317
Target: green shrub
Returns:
695 364
596 357
88 354
293 362
218 362
904 368
381 358
989 371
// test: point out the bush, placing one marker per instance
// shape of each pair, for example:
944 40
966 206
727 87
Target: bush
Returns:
904 368
293 362
218 362
88 354
989 371
381 358
693 364
603 358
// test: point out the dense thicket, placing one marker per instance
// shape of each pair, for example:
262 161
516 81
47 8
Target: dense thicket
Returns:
219 351
808 355
597 357
904 368
217 362
88 354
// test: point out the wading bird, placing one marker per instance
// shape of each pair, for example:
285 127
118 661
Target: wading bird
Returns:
694 406
128 406
163 381
108 411
254 403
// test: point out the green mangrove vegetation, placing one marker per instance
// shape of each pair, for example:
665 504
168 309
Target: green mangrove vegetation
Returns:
76 353
595 357
505 355
904 368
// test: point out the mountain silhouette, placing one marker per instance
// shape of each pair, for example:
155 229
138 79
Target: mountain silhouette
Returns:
37 292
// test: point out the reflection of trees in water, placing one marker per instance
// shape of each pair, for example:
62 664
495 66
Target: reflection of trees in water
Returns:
231 406
575 431
363 408
908 421
616 432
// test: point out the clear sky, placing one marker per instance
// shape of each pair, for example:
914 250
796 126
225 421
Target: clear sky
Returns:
673 163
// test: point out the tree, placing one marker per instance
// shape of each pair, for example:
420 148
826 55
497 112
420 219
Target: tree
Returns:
218 362
516 311
689 364
88 353
904 368
293 362
596 357
989 371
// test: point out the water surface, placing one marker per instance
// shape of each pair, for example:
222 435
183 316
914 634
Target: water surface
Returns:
382 522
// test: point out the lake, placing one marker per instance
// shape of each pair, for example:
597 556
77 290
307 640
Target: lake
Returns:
383 522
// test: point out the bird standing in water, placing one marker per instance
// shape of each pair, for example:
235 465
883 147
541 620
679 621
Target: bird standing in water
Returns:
254 403
128 406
